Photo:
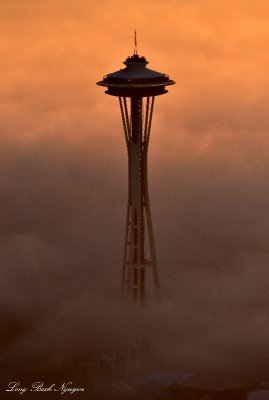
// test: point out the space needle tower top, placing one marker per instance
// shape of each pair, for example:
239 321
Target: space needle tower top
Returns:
136 79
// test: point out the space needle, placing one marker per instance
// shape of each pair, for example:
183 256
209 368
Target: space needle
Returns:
136 87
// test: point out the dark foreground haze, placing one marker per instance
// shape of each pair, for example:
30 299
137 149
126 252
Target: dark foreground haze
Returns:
63 180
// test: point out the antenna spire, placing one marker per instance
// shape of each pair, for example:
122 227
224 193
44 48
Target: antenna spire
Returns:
135 43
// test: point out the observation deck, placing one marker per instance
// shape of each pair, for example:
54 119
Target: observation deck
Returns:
136 80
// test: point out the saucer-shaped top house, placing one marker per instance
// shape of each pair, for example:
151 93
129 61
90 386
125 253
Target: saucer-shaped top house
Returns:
136 80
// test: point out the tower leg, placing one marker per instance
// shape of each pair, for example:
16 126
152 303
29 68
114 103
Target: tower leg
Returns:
137 118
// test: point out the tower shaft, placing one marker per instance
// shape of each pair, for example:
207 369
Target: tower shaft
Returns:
136 86
139 247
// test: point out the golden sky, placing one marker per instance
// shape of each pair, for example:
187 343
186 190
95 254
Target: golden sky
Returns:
52 54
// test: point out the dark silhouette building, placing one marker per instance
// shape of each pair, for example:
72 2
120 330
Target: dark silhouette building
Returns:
195 389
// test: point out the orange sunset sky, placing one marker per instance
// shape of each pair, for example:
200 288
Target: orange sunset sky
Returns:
53 53
63 174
